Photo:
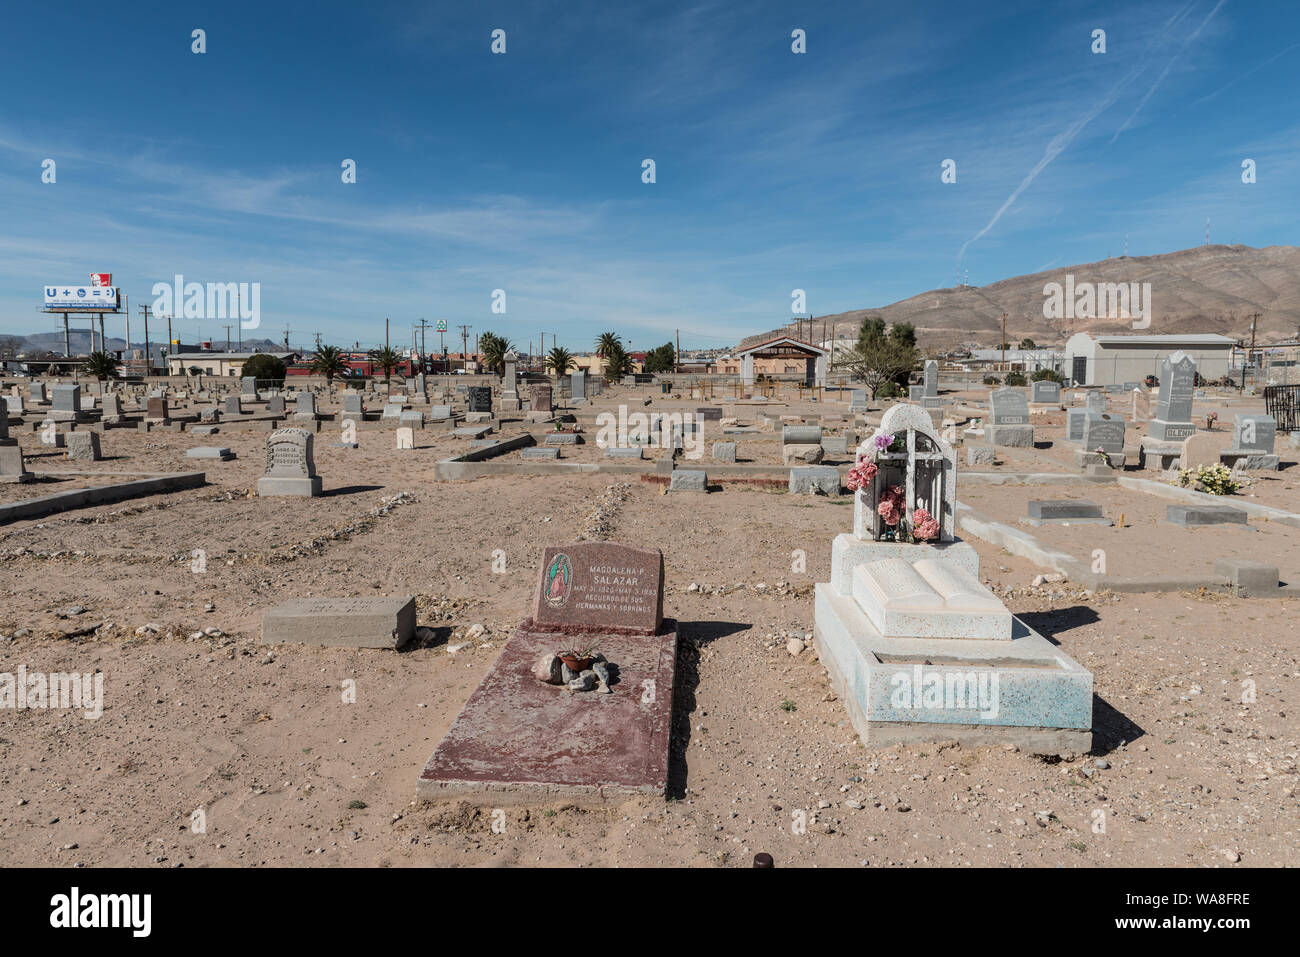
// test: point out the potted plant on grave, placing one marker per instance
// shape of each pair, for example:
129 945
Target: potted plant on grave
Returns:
578 660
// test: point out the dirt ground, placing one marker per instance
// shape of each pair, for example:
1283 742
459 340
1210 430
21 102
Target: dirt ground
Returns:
285 772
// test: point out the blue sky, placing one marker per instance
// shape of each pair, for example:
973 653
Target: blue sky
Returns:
523 171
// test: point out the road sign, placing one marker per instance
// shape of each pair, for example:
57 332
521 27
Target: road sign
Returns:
442 325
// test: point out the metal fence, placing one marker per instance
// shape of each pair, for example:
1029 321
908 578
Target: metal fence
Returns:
1280 401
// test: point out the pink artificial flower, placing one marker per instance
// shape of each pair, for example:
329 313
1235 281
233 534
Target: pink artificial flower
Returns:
925 531
888 511
860 475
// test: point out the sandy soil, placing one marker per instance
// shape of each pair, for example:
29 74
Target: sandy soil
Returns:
286 772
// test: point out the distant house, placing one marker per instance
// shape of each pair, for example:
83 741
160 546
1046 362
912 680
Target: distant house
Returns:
1114 360
224 364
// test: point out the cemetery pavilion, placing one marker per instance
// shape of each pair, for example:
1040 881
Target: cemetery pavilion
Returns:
785 349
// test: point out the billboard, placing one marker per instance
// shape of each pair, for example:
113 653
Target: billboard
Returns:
80 298
101 279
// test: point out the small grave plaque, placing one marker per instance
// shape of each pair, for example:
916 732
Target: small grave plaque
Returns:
600 587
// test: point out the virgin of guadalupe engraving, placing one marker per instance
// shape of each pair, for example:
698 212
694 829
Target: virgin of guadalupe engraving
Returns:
559 575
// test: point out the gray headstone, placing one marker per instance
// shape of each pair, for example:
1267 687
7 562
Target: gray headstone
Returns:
1095 402
352 403
931 377
1046 391
290 465
1205 515
248 386
1174 403
820 479
275 405
578 385
1254 431
541 398
1063 508
688 480
724 452
67 398
1074 419
1008 406
1104 431
233 405
801 435
82 446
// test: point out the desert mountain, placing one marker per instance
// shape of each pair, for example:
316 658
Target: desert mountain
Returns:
1203 289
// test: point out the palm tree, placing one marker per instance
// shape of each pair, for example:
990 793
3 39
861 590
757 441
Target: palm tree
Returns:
387 359
561 360
102 366
607 342
329 362
493 349
617 363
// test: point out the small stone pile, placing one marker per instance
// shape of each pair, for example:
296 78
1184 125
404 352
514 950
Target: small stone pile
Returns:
552 671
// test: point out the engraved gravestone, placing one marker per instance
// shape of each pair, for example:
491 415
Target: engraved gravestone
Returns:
1007 406
67 398
156 410
1095 402
578 385
1074 419
1173 419
290 467
931 377
248 386
600 587
1046 391
480 398
541 398
1104 431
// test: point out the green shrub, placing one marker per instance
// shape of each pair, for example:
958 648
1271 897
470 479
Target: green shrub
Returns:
264 368
991 380
1015 379
1050 375
889 390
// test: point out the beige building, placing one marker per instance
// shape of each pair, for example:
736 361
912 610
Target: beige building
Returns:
1115 360
224 364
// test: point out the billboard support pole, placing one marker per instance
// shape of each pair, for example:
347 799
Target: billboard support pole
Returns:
67 342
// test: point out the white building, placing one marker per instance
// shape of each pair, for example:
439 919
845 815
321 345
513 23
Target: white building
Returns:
1114 360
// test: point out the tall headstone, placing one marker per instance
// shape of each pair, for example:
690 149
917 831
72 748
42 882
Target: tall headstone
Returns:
234 406
1096 401
38 392
1173 421
931 377
509 392
12 467
480 399
352 407
540 398
248 387
1141 405
578 384
1074 419
290 466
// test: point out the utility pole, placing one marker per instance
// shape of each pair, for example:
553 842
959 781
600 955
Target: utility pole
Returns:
464 346
148 359
318 342
423 325
677 354
1251 352
385 332
126 310
1004 342
169 333
227 336
286 338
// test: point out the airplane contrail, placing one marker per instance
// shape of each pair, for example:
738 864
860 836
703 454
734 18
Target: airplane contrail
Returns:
1165 72
1061 141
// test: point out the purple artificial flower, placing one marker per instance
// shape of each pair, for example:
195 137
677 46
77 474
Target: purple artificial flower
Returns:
884 441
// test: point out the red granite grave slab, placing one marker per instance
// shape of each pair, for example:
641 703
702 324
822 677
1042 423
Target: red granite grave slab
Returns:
518 740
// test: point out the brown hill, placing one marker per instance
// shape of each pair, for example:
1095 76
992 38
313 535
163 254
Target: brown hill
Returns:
1203 289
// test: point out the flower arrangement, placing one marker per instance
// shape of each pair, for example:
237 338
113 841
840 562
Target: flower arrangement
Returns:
1211 479
860 475
1105 457
1210 419
890 507
925 527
